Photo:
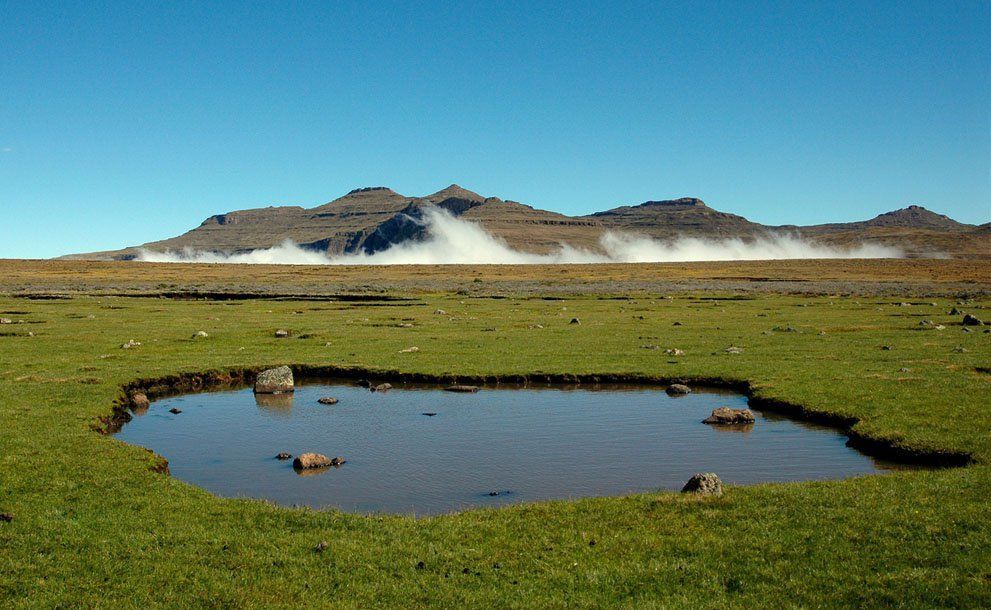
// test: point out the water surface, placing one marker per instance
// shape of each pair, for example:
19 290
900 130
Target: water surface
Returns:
523 444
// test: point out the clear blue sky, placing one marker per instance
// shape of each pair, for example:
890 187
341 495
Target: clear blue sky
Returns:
125 122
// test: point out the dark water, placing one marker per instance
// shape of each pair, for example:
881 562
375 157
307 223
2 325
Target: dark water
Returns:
526 444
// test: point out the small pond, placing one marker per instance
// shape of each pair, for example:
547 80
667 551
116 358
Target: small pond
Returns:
501 445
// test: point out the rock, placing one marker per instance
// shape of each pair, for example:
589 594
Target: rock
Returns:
284 455
575 321
281 334
969 320
704 484
886 348
307 461
382 387
175 411
650 347
939 327
6 321
967 330
6 517
139 401
904 370
955 312
464 389
337 461
321 546
785 329
674 351
678 389
328 400
960 350
404 325
409 350
726 416
676 324
440 312
429 414
733 350
275 381
200 335
130 344
926 323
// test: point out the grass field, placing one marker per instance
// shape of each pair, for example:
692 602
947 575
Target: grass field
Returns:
93 523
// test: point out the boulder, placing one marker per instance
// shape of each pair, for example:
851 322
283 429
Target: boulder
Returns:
281 334
328 400
283 455
382 387
726 415
6 321
969 320
409 350
275 381
200 335
131 343
311 460
678 389
733 350
704 484
674 351
175 411
139 401
575 321
464 389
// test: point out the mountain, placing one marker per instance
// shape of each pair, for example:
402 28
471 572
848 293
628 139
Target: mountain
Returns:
372 219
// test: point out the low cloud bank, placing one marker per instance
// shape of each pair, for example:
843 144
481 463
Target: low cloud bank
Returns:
454 241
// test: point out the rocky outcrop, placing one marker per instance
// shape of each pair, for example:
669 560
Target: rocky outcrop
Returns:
704 484
275 381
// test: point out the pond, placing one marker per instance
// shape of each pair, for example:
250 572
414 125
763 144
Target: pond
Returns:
420 450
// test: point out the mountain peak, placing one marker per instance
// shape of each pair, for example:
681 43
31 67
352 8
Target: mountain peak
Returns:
454 192
682 202
913 216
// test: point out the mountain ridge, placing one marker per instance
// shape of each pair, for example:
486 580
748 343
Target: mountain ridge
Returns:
371 219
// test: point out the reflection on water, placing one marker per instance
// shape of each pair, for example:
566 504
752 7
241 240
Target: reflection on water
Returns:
499 446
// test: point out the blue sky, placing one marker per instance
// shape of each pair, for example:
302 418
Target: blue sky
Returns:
122 123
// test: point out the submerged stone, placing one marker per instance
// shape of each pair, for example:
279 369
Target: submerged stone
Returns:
311 460
328 400
726 415
464 389
678 389
275 381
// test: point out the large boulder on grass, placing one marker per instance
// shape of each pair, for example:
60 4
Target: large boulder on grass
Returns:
704 484
969 320
275 381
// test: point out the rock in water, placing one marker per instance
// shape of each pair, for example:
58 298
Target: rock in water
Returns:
464 389
704 484
725 415
139 401
284 455
328 400
678 389
382 387
275 381
311 460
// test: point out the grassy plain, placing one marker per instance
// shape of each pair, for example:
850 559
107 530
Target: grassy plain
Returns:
94 525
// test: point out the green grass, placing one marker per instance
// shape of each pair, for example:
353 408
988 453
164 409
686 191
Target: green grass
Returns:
94 526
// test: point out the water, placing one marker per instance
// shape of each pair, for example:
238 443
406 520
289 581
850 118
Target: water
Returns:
525 444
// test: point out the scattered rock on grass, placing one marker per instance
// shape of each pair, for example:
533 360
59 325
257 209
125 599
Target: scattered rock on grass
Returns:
6 517
674 351
733 350
328 400
201 334
960 350
275 381
704 484
440 312
969 320
575 321
281 334
321 546
130 344
678 389
6 321
409 350
727 416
